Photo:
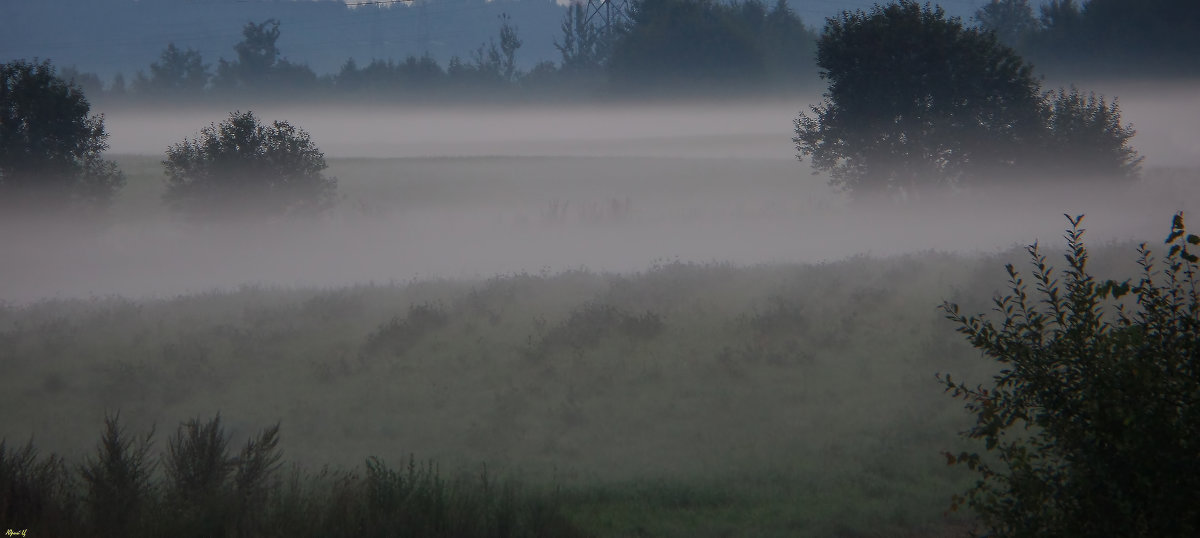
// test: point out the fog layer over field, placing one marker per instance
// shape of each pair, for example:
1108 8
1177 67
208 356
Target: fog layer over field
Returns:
444 191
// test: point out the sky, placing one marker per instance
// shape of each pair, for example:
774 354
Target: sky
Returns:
107 41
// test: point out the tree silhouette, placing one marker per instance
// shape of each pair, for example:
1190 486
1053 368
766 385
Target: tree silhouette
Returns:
244 168
50 147
917 102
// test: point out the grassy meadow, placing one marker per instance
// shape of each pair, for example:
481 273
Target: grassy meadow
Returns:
682 399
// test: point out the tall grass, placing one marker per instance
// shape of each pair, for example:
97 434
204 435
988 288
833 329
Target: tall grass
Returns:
206 492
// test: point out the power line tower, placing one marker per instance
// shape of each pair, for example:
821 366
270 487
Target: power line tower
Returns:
608 15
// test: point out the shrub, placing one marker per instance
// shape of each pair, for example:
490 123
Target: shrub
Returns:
1091 426
242 167
118 479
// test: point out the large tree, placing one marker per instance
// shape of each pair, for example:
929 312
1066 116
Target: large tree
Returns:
242 167
918 102
50 146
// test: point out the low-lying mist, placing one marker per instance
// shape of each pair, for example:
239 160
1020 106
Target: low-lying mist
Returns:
476 191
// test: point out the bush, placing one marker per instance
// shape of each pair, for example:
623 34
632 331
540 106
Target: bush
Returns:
49 146
242 167
1091 426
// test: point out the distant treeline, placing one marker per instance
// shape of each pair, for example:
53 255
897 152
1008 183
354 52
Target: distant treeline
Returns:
743 43
1101 38
665 47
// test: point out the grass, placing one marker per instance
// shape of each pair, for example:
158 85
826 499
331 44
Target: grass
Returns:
685 400
205 492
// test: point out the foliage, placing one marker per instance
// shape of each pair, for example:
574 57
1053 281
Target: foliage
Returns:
118 479
633 418
703 41
583 49
50 148
1148 38
34 489
914 99
1085 137
1010 20
917 102
199 499
413 73
244 167
176 70
259 64
1090 428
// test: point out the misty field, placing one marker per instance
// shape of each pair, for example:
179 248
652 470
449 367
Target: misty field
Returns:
568 325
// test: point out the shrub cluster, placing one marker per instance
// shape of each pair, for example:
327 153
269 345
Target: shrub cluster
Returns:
1090 427
206 492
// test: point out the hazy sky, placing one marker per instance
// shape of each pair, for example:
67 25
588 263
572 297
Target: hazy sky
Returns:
107 41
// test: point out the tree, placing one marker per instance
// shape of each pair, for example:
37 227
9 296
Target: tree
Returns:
1085 136
1091 425
915 99
789 45
582 48
178 70
259 65
50 147
917 102
1010 20
684 43
1147 38
493 64
509 43
242 167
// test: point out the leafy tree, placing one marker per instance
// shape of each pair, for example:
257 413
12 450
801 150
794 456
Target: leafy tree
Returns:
914 100
582 48
1085 137
244 167
685 42
918 102
259 65
1091 427
50 147
256 54
177 70
509 43
788 44
88 83
1010 20
413 74
1151 37
494 63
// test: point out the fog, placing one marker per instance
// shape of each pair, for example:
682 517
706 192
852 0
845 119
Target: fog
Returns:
460 192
